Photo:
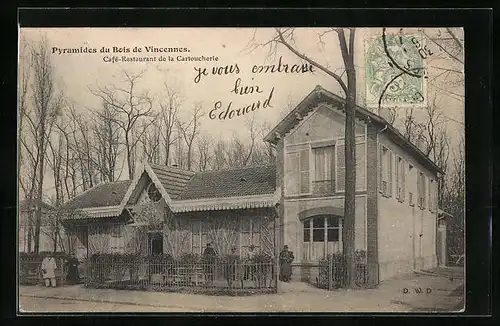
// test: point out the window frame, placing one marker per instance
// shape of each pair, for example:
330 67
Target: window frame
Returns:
254 229
421 189
325 227
117 239
411 194
202 231
329 171
400 179
386 170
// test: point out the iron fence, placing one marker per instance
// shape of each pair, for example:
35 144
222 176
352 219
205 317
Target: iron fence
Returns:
30 272
146 273
331 275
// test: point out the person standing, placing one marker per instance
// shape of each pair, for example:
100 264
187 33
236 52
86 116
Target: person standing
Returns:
230 268
250 263
49 267
209 256
73 276
286 259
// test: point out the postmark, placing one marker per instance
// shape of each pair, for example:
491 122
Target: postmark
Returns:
395 70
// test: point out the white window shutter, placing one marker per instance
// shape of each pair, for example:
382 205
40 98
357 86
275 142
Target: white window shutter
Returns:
389 181
304 171
381 169
340 170
403 180
397 177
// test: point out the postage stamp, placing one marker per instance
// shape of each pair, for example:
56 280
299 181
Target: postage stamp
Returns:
395 70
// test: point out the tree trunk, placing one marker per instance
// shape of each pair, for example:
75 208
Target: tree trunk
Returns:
350 170
129 157
38 212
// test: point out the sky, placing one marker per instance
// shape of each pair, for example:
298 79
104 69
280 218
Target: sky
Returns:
77 73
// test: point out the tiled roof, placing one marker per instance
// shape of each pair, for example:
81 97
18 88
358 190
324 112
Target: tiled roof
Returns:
173 180
320 95
245 181
25 204
105 194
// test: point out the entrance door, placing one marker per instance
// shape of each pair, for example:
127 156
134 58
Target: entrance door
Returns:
156 243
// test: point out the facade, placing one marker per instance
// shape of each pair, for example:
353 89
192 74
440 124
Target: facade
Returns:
301 197
48 239
396 200
166 210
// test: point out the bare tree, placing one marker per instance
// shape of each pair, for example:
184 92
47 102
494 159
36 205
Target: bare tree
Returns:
131 107
204 157
286 38
189 131
46 107
169 111
219 157
54 161
107 141
151 141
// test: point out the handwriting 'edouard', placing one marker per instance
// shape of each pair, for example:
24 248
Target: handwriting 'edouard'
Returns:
230 113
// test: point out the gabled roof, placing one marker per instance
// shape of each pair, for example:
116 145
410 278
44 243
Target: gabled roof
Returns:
245 181
26 204
174 180
102 195
320 95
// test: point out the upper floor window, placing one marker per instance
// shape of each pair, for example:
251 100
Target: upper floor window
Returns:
432 195
323 163
421 184
153 193
385 165
411 195
400 179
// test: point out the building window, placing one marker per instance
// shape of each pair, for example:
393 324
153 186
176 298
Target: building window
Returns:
432 196
322 228
421 190
304 171
323 167
411 195
386 171
249 233
400 179
199 236
319 232
117 241
153 193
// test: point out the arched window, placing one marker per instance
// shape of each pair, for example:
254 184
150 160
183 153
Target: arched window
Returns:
322 235
153 193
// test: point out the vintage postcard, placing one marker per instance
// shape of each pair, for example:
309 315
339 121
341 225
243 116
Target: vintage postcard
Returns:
241 170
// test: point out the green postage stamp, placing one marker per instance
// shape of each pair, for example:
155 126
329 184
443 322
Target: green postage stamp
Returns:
395 70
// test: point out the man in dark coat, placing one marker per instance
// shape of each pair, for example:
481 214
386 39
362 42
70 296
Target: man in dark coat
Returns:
73 276
286 259
209 256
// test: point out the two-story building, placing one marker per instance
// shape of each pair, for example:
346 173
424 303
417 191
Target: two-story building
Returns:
395 201
301 197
